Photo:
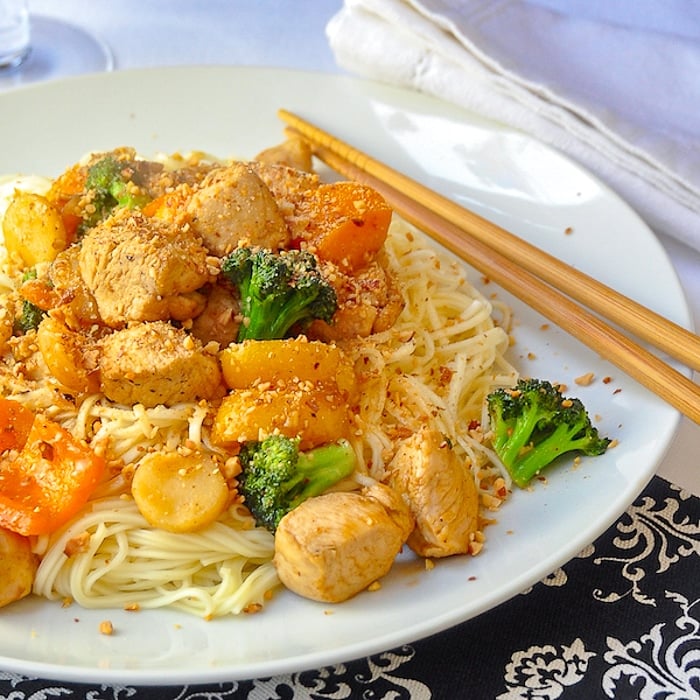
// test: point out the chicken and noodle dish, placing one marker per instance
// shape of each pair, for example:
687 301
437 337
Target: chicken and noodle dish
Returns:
222 378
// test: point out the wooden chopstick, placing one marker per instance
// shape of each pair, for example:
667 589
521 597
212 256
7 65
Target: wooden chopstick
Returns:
646 324
429 211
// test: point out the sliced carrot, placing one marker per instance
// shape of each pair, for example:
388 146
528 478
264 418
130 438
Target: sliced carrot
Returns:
41 294
67 184
50 479
348 223
71 221
65 192
169 206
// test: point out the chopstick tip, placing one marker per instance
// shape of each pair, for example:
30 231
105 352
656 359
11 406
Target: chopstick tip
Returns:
285 115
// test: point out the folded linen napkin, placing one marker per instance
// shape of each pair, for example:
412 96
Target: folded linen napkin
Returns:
620 97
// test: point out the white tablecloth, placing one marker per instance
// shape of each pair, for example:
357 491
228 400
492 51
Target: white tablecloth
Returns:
290 34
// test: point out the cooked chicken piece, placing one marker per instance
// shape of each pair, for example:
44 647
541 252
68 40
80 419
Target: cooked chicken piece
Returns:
10 306
220 320
146 173
368 302
395 505
233 205
142 269
155 363
294 152
333 546
190 172
288 186
441 492
18 565
79 305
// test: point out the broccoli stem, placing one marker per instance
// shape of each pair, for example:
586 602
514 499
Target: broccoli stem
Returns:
31 314
319 468
562 440
268 323
512 444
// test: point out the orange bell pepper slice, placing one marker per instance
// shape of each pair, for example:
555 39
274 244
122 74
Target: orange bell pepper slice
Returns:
45 477
15 424
170 206
348 223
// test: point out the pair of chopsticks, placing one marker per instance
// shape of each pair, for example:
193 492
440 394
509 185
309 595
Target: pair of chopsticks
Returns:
537 278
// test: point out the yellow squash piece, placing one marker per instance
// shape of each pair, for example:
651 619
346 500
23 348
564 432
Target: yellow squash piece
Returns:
33 229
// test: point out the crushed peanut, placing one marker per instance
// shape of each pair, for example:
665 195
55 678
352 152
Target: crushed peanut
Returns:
585 379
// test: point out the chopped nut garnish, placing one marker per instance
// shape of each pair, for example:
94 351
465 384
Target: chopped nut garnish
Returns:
475 547
106 627
585 379
77 544
491 502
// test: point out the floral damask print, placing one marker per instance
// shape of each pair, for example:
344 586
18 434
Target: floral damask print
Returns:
382 667
25 688
380 678
544 673
663 663
323 683
651 539
224 691
559 577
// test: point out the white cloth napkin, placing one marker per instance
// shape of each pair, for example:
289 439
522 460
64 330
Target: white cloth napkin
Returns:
619 94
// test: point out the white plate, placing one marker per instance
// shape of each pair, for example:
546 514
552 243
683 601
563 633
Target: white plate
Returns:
506 176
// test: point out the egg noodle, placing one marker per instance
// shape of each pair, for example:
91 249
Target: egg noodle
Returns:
435 366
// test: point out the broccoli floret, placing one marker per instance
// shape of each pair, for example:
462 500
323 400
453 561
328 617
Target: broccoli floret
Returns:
533 424
276 476
31 315
109 180
278 291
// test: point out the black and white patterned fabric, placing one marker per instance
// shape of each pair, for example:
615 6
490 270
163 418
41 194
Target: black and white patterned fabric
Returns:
621 620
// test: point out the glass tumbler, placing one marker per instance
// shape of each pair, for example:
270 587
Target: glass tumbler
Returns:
14 33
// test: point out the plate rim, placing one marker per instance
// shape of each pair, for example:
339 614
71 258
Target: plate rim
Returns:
148 677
